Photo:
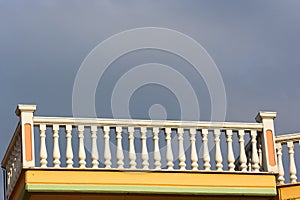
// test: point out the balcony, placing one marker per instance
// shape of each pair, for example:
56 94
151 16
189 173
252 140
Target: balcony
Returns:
287 145
61 157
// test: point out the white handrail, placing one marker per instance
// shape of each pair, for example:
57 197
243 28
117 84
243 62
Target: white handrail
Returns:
283 139
147 123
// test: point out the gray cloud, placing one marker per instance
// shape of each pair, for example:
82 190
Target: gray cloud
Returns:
255 44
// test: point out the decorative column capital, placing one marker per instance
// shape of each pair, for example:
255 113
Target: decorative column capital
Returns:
265 115
25 108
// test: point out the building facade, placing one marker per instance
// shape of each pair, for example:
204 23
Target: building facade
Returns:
84 158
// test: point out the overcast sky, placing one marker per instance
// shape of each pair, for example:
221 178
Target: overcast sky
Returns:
255 45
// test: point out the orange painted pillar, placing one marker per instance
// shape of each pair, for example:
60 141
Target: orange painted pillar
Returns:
25 112
268 141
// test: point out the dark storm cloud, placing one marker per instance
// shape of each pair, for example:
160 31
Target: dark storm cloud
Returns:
255 44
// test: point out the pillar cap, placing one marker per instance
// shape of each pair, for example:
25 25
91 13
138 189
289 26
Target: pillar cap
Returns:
265 115
25 108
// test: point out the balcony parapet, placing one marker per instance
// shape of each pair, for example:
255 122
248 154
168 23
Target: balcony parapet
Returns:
287 141
139 145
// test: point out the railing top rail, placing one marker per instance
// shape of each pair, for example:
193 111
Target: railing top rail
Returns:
146 123
287 138
10 146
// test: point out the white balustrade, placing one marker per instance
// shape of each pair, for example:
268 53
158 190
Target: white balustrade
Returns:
255 158
247 162
280 164
132 155
94 153
157 157
287 141
293 170
81 150
43 148
93 149
230 156
206 157
9 174
181 152
243 158
169 153
19 156
56 151
194 156
260 153
11 168
145 156
69 150
107 153
219 159
13 165
120 155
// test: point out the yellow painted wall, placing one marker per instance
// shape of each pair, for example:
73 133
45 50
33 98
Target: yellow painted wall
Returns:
289 191
76 184
137 197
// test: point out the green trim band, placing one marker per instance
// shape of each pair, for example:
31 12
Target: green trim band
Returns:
151 190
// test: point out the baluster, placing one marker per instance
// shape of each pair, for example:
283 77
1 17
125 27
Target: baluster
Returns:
181 153
169 153
243 158
280 165
194 156
219 159
132 155
56 151
13 165
17 163
69 151
145 156
19 156
120 155
43 149
249 160
107 154
230 157
15 158
17 147
157 157
206 157
11 170
293 171
255 159
94 153
81 151
9 175
259 145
